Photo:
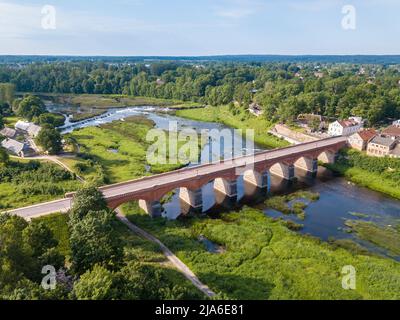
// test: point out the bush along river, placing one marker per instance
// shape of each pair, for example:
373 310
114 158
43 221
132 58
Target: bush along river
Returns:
324 206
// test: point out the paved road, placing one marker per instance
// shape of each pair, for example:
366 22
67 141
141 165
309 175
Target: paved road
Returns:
149 183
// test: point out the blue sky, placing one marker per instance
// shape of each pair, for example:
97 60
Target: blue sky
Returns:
199 27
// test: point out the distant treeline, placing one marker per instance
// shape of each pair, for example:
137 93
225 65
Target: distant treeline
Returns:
359 59
283 90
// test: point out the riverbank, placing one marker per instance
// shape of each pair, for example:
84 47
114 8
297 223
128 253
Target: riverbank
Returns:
263 259
378 174
242 121
114 152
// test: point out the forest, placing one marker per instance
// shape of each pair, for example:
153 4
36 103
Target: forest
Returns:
283 90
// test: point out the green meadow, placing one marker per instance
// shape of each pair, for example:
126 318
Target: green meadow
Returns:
263 259
242 121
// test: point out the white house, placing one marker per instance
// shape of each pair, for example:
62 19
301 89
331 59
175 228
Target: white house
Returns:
345 127
14 147
8 132
28 127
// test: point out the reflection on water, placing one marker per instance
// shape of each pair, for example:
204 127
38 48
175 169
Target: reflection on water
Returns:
324 218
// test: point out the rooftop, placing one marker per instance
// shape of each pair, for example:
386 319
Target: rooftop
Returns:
8 132
383 141
13 145
392 131
367 134
348 123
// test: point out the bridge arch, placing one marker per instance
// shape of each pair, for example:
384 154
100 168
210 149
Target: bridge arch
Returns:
259 178
284 170
327 156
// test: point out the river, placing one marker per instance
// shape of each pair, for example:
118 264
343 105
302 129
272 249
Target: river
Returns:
339 200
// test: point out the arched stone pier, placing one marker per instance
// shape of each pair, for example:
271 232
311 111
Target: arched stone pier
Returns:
283 170
309 164
153 208
227 187
194 198
259 179
328 156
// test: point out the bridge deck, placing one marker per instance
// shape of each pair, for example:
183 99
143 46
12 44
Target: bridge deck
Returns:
182 175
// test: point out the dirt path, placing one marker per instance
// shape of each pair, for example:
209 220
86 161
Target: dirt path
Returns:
183 268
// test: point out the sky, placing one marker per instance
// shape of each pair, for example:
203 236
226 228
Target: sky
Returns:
199 27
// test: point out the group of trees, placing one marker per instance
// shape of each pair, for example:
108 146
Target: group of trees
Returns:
98 268
32 108
25 249
283 90
6 98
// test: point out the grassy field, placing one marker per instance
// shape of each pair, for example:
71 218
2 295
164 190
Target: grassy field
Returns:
105 101
11 121
135 249
27 187
265 260
115 151
240 121
385 237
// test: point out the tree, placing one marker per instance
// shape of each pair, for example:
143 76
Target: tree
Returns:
94 241
7 92
30 106
50 140
39 238
95 284
88 198
55 120
4 157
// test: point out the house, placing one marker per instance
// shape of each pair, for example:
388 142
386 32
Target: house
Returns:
255 109
22 125
345 127
28 127
396 123
8 132
360 139
381 146
33 130
15 147
392 131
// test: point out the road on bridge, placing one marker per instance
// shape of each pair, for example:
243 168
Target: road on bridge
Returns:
149 183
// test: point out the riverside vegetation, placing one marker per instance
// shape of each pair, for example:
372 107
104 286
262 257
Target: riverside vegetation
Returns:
115 152
379 174
263 259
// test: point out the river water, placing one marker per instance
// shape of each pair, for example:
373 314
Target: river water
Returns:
339 200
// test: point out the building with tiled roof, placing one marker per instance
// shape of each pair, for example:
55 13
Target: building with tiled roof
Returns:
345 127
360 139
392 131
